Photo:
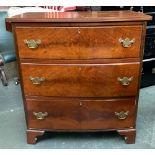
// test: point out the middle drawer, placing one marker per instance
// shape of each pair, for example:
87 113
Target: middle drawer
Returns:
80 80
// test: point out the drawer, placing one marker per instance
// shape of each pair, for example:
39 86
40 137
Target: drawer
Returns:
54 114
80 80
79 42
81 114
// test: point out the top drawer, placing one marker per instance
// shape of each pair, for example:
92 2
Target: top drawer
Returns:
79 42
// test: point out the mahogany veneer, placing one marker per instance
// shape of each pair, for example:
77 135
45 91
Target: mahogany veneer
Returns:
80 71
80 80
79 42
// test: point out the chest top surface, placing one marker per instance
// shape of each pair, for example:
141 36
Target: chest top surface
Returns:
94 16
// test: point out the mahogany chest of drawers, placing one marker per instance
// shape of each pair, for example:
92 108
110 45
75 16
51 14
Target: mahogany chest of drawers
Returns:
80 71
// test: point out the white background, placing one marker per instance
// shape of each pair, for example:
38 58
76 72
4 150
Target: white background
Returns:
77 2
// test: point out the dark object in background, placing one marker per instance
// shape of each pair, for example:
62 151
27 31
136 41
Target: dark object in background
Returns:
112 8
2 72
7 53
148 73
5 58
150 43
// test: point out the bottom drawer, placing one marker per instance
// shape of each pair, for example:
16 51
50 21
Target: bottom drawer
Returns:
81 114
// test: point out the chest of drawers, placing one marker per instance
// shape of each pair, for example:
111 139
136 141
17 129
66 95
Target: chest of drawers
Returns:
80 71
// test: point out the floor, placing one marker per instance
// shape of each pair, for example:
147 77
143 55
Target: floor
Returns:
12 126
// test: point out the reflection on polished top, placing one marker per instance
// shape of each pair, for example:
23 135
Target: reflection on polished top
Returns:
94 16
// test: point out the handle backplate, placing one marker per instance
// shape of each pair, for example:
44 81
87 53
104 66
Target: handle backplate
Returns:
126 43
125 81
32 44
36 80
40 115
122 114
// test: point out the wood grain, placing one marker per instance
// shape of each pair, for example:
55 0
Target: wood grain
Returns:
62 114
80 80
129 135
100 114
32 135
88 16
79 42
81 114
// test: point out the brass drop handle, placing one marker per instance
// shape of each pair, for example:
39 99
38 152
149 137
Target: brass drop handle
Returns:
122 114
126 43
36 80
125 81
40 115
32 43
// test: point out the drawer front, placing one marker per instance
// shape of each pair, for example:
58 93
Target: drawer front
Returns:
80 80
81 114
79 42
53 114
108 114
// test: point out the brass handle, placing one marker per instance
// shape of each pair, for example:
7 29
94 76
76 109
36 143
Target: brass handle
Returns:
125 81
40 115
122 114
37 80
126 42
32 43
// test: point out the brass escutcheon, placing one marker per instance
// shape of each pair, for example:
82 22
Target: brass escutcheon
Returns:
36 80
122 114
40 115
125 81
126 42
32 43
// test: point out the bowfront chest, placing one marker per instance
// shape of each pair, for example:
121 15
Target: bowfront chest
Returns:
80 71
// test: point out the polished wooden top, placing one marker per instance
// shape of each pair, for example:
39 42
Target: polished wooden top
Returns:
88 16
